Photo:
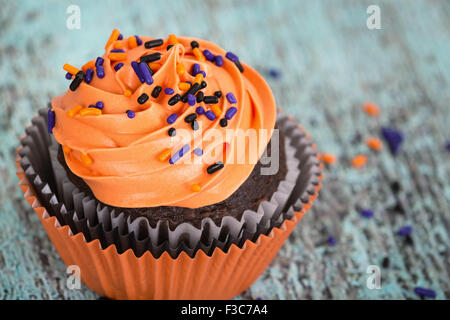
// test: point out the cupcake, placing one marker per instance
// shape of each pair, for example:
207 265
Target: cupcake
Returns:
166 170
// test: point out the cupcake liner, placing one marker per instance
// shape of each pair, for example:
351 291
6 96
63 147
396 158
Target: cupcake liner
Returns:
142 263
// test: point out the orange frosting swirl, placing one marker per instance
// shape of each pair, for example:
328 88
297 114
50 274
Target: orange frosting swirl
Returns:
120 157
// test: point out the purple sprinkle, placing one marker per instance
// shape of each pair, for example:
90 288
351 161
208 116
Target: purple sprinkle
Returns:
89 75
189 82
404 231
137 70
393 137
231 98
169 91
99 62
198 152
99 105
367 213
118 66
210 115
218 60
100 72
195 69
230 113
92 106
203 73
68 76
171 119
332 241
208 55
138 40
120 37
179 154
51 117
231 56
145 71
447 146
191 99
130 114
274 73
425 292
117 50
200 110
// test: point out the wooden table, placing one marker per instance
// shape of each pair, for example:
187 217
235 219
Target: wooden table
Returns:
330 63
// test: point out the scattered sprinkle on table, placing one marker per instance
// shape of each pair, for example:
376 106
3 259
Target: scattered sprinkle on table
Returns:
423 292
404 231
371 109
332 241
374 143
394 139
359 161
367 213
329 158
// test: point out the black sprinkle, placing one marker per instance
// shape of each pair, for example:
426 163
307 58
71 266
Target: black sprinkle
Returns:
169 46
218 94
215 167
203 85
156 91
175 99
194 125
194 44
200 96
396 187
408 240
210 99
153 43
385 263
191 117
239 65
223 122
151 57
142 98
172 132
77 81
184 98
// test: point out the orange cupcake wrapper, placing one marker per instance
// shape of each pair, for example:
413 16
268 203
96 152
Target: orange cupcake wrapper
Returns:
223 275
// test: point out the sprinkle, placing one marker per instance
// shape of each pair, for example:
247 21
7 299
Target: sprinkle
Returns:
142 98
374 143
184 86
194 125
51 119
371 109
191 99
91 106
118 45
172 39
169 47
218 60
120 37
177 156
172 132
68 76
175 99
274 73
72 112
404 231
127 93
425 292
113 37
146 73
215 167
359 161
367 213
195 69
216 109
196 187
203 73
169 91
151 57
117 50
200 110
199 97
71 69
230 113
223 122
76 81
153 43
86 159
163 156
90 112
154 65
180 69
231 56
138 40
198 54
198 152
66 149
239 66
137 70
393 137
117 56
208 55
99 105
210 115
132 42
198 78
99 62
231 98
89 75
100 72
210 99
87 65
447 146
329 158
218 94
156 91
189 118
331 241
203 84
130 114
118 66
194 44
171 119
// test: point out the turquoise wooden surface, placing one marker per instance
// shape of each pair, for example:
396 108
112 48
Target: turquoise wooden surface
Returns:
331 63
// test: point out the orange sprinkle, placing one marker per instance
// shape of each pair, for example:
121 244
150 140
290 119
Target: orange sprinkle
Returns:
329 158
359 161
118 45
127 93
66 149
90 112
86 159
117 56
374 143
154 66
216 109
70 69
184 86
196 187
371 109
198 78
163 156
113 37
180 69
173 39
88 65
198 54
132 42
72 112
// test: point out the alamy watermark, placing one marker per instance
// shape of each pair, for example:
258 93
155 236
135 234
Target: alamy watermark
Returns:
73 21
374 19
